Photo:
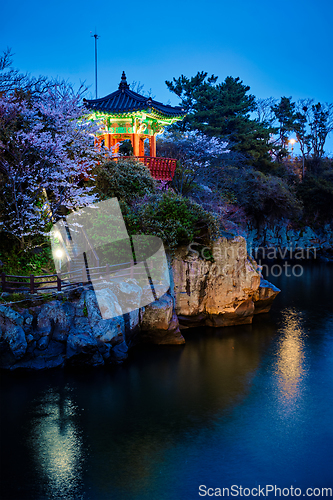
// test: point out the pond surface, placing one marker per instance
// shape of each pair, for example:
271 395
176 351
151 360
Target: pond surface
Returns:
243 406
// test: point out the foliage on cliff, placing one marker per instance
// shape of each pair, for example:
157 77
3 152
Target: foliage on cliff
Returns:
124 179
35 261
316 193
173 218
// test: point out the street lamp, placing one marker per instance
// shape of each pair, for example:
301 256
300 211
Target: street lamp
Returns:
292 142
59 255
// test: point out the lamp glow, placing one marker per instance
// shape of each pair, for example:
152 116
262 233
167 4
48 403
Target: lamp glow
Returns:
59 253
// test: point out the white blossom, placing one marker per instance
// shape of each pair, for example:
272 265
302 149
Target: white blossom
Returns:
44 161
193 148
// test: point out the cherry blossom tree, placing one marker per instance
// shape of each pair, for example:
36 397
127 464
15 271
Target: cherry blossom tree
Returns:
46 150
195 151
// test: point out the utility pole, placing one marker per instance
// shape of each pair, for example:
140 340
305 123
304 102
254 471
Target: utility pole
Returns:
96 38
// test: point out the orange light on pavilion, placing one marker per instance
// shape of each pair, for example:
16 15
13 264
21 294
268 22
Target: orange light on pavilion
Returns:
127 115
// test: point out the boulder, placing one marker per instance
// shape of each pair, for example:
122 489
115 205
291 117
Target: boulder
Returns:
110 330
43 342
14 337
190 276
55 319
264 296
192 321
52 356
82 349
119 353
239 314
215 292
107 303
9 316
158 314
128 294
81 323
13 344
160 324
94 327
101 304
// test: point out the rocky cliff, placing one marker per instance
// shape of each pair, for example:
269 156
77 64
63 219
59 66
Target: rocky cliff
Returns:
223 291
69 329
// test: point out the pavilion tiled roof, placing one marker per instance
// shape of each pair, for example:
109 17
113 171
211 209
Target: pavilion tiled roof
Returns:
125 101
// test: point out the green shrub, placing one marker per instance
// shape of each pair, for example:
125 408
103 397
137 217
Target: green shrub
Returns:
268 199
265 199
14 297
124 179
16 261
317 196
173 218
183 181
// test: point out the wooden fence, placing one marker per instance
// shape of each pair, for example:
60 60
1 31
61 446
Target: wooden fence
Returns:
61 281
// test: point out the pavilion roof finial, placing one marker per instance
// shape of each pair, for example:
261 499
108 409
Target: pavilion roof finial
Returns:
123 83
126 102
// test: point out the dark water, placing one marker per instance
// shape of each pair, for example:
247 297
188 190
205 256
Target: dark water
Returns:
238 406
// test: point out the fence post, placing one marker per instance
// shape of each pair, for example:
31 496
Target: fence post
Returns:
3 282
59 282
32 287
107 271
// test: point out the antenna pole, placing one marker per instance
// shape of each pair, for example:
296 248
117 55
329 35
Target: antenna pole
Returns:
96 38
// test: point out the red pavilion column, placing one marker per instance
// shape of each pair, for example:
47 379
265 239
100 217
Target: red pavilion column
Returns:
152 144
136 145
141 146
114 141
107 141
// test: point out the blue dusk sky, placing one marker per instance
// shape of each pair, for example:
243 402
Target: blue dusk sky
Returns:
277 48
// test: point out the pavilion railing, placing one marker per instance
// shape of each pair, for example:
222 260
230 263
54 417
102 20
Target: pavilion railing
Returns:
162 169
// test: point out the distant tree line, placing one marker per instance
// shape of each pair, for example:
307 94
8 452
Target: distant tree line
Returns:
259 129
257 177
234 162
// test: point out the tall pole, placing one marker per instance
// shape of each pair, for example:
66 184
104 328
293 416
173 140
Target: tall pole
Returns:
96 38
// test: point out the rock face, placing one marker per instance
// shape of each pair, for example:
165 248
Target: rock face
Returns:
225 290
12 333
222 291
70 329
288 241
264 296
160 323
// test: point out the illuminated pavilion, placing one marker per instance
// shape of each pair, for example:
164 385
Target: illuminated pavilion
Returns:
126 115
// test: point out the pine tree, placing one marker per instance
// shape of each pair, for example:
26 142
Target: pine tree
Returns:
223 110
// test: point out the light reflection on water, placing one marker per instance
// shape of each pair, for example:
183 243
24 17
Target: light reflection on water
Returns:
246 405
56 444
290 359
